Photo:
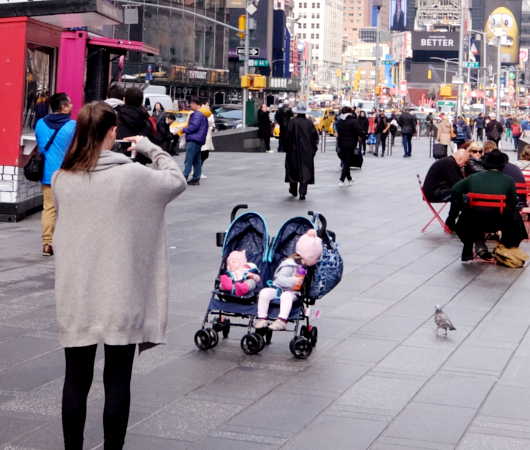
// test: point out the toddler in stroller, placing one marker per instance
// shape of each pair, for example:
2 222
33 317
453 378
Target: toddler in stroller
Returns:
288 280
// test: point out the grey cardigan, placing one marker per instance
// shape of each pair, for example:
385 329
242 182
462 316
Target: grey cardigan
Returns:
111 260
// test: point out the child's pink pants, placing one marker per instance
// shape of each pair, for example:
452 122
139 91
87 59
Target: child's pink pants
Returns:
286 302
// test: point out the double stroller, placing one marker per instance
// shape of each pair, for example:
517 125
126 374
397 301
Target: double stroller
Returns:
249 232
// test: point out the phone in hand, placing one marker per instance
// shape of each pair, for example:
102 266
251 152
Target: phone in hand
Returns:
122 147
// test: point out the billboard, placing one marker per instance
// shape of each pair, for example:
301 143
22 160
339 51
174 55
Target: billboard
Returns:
397 17
504 14
401 45
426 40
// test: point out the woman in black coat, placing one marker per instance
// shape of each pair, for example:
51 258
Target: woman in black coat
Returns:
264 126
348 132
364 123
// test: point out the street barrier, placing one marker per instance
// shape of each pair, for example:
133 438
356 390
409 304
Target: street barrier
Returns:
239 140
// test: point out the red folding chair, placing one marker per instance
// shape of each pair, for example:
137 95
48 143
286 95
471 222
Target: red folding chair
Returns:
524 189
436 213
488 201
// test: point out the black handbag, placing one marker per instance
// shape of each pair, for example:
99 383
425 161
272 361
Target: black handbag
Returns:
34 169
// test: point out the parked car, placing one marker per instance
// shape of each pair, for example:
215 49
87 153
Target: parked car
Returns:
228 118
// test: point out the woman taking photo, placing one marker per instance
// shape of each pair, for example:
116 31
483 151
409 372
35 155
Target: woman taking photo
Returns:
111 259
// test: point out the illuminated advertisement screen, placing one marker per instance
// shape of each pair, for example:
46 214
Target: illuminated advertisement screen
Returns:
397 17
505 15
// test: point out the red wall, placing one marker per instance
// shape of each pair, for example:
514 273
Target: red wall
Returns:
14 33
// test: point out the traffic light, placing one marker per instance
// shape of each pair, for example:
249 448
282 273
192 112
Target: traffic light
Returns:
429 74
338 73
357 80
242 26
446 91
253 82
378 90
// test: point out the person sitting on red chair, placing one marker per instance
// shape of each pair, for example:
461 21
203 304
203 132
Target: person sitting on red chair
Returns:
474 223
441 177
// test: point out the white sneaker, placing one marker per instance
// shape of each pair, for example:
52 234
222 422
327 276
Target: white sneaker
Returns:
261 323
351 181
341 184
203 176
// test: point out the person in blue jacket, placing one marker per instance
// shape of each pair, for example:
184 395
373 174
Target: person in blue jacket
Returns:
54 135
196 133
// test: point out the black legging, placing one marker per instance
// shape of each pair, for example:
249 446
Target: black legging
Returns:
204 155
346 155
362 144
117 383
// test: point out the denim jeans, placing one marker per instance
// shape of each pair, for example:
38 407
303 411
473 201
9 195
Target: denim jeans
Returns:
193 158
407 143
381 140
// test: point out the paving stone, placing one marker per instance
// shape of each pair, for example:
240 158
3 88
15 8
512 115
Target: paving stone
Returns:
509 402
230 444
474 441
360 349
414 360
470 358
11 427
431 423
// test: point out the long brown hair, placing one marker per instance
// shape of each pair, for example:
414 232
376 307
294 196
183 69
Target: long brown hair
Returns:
93 122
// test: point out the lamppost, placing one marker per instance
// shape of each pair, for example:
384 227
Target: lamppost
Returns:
450 60
377 4
461 56
483 60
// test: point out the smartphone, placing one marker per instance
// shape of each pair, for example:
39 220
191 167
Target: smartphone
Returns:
122 147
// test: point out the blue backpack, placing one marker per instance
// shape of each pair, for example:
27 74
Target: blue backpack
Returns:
460 132
328 270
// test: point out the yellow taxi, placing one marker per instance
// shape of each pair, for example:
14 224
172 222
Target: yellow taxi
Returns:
323 118
181 119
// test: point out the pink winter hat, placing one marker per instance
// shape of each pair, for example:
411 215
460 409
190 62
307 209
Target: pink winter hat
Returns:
238 256
309 247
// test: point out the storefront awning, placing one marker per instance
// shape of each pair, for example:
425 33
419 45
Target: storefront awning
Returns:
66 13
122 46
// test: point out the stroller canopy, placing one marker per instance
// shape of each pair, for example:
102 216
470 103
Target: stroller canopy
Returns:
248 232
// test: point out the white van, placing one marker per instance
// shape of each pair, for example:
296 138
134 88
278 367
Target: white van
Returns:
154 95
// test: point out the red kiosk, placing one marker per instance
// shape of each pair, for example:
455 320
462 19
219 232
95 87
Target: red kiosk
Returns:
41 55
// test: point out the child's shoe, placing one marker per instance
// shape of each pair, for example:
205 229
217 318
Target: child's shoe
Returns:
261 323
241 289
226 283
278 325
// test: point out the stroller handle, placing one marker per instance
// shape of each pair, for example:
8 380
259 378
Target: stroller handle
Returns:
235 210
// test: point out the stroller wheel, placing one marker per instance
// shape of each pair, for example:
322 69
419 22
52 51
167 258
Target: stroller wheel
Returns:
218 325
268 336
304 331
314 336
202 340
226 328
261 342
214 337
300 347
250 344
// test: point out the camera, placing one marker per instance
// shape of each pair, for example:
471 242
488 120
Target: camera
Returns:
122 147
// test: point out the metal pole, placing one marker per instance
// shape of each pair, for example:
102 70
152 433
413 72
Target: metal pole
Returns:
246 70
485 64
498 103
445 71
377 42
469 59
461 55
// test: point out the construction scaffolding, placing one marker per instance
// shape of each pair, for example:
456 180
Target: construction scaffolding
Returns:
433 14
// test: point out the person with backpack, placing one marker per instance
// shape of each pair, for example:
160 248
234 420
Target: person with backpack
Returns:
516 132
494 129
54 134
462 131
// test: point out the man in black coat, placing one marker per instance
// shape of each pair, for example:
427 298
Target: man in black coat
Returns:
441 177
407 122
282 117
300 145
348 133
494 129
165 137
382 125
133 120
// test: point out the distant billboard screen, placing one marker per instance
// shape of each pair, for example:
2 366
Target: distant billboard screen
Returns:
398 15
426 40
504 14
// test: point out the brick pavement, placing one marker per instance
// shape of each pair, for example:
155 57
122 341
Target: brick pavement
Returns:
379 377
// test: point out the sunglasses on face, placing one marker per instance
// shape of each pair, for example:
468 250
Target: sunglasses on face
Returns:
480 152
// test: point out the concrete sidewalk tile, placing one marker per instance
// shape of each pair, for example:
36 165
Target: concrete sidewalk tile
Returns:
358 348
510 402
230 444
431 423
390 325
347 433
455 390
474 441
487 359
361 308
414 360
140 442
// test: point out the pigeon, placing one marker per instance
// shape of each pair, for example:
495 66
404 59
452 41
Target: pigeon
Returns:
442 321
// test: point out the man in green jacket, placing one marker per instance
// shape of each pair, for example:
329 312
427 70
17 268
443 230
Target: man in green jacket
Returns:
473 224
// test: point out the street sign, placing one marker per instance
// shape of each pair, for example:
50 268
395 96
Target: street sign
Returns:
252 51
258 62
387 62
471 64
251 9
458 80
511 75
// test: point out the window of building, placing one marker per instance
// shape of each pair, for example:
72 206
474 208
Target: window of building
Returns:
303 36
312 25
312 5
358 9
359 15
305 5
304 25
300 5
317 46
318 25
318 15
351 8
318 5
351 15
313 16
299 25
359 21
318 36
312 36
350 21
